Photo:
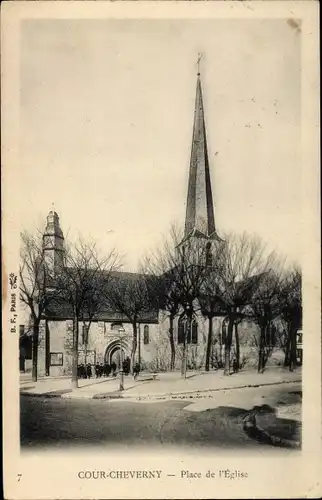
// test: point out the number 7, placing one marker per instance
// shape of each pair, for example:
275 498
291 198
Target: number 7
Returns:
19 477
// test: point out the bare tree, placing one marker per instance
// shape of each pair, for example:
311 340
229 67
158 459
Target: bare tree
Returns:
211 305
242 262
36 290
185 260
82 284
185 283
265 308
130 295
164 287
169 300
290 299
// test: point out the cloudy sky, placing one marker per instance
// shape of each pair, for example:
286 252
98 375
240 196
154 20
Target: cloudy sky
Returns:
106 113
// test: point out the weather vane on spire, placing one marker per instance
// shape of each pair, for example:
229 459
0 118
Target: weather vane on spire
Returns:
198 62
53 207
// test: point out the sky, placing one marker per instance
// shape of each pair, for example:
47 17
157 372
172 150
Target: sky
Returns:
106 115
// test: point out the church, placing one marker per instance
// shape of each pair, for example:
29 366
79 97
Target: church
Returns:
102 343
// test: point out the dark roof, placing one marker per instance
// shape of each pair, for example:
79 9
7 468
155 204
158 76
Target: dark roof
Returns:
59 309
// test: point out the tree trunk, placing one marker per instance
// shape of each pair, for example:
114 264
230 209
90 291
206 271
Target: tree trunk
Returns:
220 363
134 345
184 347
293 331
237 347
184 360
35 340
287 350
209 343
75 352
172 346
228 345
260 366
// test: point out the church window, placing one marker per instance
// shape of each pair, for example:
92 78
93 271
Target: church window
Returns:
194 332
188 333
270 335
146 337
181 329
116 326
224 332
84 336
208 254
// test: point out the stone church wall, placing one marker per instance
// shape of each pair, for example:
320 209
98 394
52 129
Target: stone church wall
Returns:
103 337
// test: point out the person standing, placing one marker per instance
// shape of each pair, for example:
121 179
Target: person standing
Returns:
89 371
136 371
107 370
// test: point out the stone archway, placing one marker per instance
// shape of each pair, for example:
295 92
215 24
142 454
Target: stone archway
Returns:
112 352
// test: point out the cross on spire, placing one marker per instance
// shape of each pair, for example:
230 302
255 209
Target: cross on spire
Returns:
198 62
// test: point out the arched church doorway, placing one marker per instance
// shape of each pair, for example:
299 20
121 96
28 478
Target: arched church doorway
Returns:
115 357
113 353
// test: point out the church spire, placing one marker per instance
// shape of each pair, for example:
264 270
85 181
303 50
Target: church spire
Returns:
200 218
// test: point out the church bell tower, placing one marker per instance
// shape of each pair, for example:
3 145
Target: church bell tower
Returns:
53 243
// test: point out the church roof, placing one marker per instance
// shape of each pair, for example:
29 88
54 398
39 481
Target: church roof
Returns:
60 309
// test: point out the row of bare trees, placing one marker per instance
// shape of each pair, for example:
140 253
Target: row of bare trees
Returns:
236 278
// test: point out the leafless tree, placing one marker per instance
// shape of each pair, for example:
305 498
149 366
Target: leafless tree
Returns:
129 294
82 283
242 262
169 300
265 308
36 291
211 303
183 262
163 285
290 301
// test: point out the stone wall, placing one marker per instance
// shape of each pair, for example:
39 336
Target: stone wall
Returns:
101 335
42 349
156 354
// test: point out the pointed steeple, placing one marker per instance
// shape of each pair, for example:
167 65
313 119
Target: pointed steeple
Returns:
200 217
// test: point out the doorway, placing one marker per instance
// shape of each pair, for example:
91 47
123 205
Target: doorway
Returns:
113 353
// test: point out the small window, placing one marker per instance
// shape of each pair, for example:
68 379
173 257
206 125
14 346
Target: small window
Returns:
194 332
116 326
271 335
146 338
188 333
299 337
183 254
84 336
224 332
181 330
208 254
56 359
